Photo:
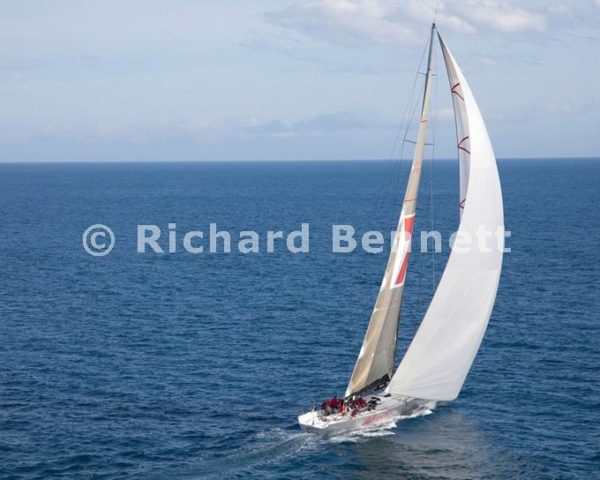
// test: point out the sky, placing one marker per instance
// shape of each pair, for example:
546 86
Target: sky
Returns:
219 80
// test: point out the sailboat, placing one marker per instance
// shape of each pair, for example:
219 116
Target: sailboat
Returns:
438 359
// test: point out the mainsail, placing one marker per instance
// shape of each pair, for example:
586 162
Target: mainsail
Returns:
438 359
375 362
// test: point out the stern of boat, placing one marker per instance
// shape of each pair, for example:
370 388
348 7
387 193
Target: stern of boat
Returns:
311 422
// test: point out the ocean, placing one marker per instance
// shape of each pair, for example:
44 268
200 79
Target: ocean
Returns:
182 366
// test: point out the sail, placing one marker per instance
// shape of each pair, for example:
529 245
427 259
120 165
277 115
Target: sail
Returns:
438 359
463 143
375 362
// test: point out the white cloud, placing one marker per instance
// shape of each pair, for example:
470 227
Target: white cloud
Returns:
345 21
501 15
399 22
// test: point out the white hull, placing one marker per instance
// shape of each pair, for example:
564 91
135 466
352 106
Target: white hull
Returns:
389 410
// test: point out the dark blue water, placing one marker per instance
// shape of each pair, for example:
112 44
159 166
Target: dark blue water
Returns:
195 366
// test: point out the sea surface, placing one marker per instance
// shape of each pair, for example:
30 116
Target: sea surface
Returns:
188 366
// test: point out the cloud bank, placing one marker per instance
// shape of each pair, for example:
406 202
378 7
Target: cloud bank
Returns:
392 22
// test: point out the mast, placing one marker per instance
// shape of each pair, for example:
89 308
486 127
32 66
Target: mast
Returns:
375 362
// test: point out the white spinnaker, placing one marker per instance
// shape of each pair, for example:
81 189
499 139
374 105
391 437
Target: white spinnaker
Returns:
439 358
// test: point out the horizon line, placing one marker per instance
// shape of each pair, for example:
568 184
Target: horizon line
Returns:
331 160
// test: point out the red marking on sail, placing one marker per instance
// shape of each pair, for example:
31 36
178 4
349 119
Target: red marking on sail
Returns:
453 90
463 148
462 203
409 223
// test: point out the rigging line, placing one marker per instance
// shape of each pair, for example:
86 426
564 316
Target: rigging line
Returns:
402 179
433 131
416 104
407 107
413 107
392 164
422 291
413 113
406 118
418 305
394 167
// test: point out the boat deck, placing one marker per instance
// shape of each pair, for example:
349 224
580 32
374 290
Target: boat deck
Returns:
387 410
